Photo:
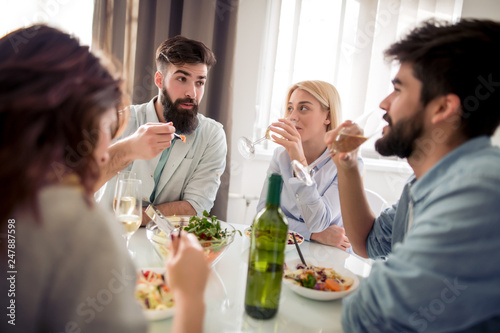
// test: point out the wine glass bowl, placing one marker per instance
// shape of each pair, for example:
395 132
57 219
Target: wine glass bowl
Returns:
128 209
121 175
349 138
302 172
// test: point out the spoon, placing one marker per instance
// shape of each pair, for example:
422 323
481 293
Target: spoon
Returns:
298 249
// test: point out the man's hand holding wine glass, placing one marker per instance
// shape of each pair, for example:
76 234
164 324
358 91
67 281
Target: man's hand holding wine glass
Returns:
346 160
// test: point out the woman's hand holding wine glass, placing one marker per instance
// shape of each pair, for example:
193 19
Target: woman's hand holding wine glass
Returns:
285 134
247 148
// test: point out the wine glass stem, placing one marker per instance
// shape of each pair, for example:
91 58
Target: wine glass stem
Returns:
259 141
311 166
127 240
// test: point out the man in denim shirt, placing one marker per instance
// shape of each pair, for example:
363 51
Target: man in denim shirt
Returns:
442 237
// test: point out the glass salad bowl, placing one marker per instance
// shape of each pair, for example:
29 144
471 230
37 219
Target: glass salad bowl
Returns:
214 247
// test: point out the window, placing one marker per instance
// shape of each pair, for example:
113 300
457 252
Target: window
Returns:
337 41
73 17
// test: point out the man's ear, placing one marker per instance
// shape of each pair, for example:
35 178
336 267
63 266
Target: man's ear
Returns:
446 107
159 79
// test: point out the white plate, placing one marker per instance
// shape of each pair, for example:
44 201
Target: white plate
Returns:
157 314
318 294
300 238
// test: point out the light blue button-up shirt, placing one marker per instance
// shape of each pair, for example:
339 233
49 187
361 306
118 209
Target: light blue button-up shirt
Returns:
443 274
309 209
193 169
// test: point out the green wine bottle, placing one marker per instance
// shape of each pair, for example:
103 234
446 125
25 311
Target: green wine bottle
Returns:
267 254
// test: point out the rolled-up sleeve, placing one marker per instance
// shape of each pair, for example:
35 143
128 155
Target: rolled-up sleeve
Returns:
379 240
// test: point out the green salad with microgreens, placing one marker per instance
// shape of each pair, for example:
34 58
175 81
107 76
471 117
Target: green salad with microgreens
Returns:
207 227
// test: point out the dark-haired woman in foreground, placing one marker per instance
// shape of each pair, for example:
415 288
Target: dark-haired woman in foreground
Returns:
58 110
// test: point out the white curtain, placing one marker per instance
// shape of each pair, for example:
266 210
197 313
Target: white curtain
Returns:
341 42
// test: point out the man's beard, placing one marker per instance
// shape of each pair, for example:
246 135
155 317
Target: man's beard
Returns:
402 137
184 120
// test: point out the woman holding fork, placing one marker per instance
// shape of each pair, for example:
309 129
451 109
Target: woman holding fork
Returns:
71 271
312 109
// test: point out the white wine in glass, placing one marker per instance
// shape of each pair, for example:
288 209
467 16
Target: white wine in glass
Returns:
130 224
345 142
128 208
120 176
348 139
127 205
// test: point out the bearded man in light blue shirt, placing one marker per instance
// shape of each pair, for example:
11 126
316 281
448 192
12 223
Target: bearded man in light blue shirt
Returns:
180 175
442 238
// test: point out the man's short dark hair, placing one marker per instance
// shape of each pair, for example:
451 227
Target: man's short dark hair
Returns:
462 58
180 50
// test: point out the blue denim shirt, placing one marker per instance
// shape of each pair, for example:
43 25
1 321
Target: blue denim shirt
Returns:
308 209
443 274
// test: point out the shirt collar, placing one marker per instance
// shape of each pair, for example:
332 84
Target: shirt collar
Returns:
152 117
438 173
326 160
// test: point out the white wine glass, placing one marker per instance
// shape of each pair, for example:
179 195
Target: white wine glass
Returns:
247 148
129 206
348 139
121 175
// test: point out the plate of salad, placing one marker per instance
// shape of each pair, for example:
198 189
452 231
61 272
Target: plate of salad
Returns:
153 294
322 281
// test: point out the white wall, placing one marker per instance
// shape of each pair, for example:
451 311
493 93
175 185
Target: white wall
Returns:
247 177
483 9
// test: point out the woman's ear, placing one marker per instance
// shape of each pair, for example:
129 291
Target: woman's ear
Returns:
327 120
159 79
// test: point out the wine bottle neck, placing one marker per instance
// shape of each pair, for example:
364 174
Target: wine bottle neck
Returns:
274 190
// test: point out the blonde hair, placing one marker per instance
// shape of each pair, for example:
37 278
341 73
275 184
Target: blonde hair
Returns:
326 94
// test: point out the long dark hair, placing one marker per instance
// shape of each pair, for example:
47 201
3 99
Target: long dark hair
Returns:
53 93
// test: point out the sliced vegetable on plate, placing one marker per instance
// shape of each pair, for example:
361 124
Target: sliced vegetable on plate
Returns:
154 295
319 280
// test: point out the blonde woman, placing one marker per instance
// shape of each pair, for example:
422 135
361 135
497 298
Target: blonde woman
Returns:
312 109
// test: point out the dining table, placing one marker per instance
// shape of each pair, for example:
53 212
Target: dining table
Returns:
225 290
